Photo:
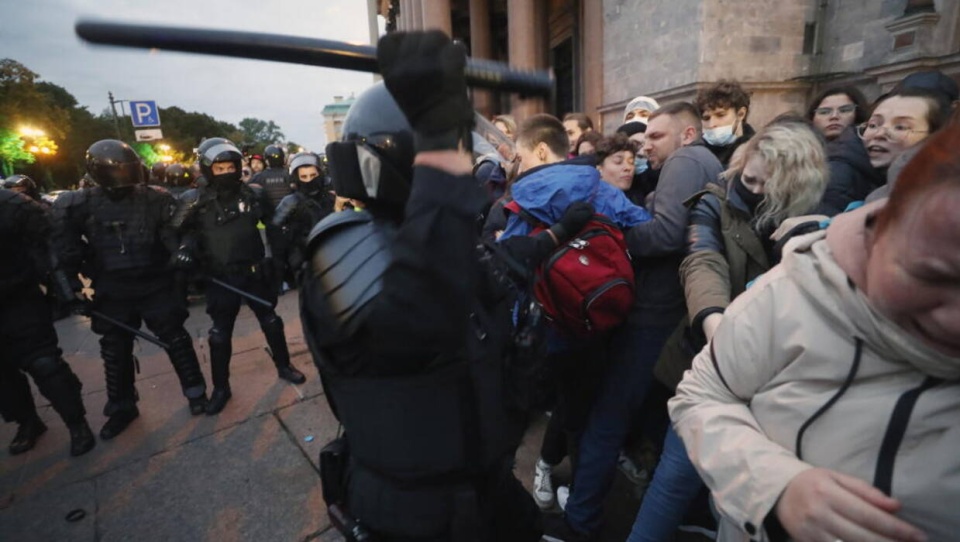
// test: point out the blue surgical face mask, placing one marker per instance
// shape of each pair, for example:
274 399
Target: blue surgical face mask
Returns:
640 165
721 136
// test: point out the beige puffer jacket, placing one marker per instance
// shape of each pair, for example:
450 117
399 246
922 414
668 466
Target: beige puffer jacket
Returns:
803 372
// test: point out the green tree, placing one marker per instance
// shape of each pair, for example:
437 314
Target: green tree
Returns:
260 132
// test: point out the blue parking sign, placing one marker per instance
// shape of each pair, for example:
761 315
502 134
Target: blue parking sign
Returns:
144 113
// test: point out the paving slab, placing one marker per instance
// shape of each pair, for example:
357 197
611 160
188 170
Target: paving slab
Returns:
312 424
254 484
43 517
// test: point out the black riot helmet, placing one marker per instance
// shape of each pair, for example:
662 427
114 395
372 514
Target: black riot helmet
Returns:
114 164
374 161
306 159
177 176
218 149
275 155
22 184
158 172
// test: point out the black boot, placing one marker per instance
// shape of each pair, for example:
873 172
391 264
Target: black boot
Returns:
220 352
184 360
58 383
291 374
118 422
81 438
218 400
272 327
198 405
27 435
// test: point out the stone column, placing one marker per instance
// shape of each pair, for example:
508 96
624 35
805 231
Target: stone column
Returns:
435 15
480 47
591 61
522 48
417 14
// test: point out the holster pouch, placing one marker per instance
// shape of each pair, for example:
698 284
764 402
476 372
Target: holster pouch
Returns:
334 458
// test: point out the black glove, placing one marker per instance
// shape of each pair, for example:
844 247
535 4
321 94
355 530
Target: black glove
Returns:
573 220
184 260
424 73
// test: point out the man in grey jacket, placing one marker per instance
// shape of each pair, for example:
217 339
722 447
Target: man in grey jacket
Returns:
672 145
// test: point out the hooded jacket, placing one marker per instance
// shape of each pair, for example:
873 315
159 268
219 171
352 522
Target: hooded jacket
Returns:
803 372
546 191
852 176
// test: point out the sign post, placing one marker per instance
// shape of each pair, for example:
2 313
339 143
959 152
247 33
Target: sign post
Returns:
146 120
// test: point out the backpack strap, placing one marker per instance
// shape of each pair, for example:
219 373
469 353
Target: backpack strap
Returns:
514 207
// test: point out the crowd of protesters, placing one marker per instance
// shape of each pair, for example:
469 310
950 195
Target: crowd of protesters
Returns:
785 348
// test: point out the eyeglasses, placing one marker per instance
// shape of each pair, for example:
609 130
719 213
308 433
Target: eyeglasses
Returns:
828 111
896 132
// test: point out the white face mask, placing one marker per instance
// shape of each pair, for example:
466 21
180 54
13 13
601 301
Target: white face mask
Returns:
721 136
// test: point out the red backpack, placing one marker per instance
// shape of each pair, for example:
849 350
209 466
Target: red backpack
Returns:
586 287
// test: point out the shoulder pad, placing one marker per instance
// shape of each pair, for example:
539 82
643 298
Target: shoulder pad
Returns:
349 254
71 199
334 221
157 189
190 197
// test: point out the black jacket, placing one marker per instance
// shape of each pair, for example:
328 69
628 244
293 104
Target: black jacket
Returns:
659 245
852 177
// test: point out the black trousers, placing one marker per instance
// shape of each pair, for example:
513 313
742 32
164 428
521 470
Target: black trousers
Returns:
155 303
28 344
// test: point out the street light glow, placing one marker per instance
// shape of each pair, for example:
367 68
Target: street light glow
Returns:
31 132
34 149
163 147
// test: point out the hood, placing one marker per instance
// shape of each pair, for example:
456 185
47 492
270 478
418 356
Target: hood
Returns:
848 148
546 191
825 265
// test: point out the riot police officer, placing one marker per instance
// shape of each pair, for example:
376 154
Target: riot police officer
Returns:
403 323
28 341
299 211
120 235
220 234
158 173
274 179
25 185
177 179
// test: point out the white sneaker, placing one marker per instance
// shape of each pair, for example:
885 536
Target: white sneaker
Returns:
563 494
543 485
637 475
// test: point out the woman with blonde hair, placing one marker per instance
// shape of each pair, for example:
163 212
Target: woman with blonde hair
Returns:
825 407
780 173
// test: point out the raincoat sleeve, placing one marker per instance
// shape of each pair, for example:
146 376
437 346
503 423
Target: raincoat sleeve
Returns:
745 470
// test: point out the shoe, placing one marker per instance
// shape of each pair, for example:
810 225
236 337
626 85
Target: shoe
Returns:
543 485
118 422
27 435
563 494
81 438
198 405
291 374
556 529
638 476
218 400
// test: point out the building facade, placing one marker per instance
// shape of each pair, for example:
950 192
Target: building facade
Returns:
333 115
605 52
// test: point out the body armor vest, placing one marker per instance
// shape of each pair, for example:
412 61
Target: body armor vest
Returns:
16 266
276 184
124 234
414 439
228 225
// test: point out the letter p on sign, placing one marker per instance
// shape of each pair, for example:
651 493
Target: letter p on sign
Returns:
144 113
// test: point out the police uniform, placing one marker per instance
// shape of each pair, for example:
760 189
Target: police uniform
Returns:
298 212
28 341
120 235
221 235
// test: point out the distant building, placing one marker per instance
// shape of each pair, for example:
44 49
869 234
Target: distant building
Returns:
333 115
605 52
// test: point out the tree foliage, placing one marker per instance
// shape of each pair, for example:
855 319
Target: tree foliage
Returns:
70 129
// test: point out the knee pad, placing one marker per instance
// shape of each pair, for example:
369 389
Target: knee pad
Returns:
220 336
45 367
